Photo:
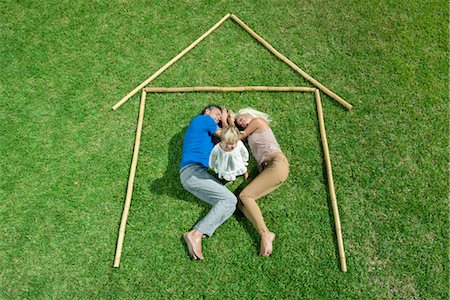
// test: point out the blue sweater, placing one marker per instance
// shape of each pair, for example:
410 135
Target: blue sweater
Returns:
198 144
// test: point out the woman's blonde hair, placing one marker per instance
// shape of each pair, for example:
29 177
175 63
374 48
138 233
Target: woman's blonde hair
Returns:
252 112
230 134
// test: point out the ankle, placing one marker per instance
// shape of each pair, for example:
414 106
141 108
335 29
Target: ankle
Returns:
196 233
266 234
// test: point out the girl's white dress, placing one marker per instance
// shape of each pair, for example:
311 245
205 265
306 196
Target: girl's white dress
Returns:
228 165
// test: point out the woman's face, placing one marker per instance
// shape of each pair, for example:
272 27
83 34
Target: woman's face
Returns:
243 120
214 113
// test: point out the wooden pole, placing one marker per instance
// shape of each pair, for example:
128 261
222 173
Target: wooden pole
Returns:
163 68
337 222
229 89
291 64
126 208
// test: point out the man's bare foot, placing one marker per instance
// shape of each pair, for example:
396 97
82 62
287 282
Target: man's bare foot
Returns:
266 243
193 241
246 176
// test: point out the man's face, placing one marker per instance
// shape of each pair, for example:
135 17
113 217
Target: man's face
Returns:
214 113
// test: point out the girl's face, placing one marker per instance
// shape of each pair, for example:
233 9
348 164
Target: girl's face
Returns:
227 146
214 113
244 120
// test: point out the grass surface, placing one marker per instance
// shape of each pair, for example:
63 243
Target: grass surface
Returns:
65 156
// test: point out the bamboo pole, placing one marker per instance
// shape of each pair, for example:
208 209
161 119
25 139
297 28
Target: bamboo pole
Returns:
292 65
229 89
163 68
126 208
337 222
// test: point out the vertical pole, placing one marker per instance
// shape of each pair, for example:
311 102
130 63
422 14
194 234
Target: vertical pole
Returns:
337 222
123 223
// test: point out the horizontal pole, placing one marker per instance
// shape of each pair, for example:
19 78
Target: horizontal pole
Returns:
229 89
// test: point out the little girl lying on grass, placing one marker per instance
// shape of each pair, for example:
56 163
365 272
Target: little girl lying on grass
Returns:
229 158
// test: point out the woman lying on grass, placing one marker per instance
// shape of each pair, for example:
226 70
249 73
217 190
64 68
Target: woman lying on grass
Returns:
272 165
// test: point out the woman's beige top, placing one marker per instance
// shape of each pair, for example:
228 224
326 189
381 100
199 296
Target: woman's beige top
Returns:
263 144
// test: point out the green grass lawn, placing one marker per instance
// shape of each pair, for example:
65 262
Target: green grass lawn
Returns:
65 155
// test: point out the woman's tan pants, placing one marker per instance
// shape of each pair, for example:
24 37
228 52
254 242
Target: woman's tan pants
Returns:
275 172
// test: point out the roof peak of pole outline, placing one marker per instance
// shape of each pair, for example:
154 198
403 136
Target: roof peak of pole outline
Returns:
259 39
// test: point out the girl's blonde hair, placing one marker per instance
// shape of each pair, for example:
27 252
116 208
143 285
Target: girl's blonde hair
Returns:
252 112
230 134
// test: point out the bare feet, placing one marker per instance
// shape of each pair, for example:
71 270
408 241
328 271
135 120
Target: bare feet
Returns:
193 241
266 243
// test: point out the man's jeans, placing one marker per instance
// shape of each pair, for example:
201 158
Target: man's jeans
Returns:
198 181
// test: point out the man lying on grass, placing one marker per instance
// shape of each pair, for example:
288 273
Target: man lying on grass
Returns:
196 179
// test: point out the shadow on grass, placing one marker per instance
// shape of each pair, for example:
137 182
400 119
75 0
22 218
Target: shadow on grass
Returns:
170 185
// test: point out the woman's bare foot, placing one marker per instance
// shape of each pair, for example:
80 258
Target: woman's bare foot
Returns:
193 241
266 243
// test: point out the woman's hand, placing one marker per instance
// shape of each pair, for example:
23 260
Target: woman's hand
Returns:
230 119
224 116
